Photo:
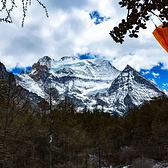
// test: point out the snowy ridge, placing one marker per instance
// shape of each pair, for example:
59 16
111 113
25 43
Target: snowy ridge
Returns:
90 82
31 85
87 69
130 89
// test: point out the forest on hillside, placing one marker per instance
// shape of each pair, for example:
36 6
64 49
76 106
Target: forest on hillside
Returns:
58 137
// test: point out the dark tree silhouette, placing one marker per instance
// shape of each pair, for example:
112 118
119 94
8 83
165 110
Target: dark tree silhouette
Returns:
7 6
138 14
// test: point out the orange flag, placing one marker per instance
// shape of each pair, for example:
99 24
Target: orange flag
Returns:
161 35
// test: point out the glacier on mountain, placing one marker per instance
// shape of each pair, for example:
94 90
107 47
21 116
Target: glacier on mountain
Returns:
89 83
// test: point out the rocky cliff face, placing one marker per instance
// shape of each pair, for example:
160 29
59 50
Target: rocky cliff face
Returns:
90 83
10 90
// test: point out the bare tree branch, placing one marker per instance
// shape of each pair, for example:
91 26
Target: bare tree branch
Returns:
8 10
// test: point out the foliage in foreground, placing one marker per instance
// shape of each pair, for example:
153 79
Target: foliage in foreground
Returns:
138 14
84 140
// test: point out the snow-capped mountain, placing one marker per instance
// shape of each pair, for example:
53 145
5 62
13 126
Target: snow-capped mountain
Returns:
90 82
131 89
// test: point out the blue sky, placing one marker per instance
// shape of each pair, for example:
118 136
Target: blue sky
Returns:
87 56
158 75
77 28
98 19
18 70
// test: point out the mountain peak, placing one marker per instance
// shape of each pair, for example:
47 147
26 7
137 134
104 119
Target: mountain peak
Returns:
128 68
130 89
45 58
3 72
2 66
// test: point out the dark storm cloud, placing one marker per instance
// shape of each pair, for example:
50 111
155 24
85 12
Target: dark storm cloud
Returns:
24 45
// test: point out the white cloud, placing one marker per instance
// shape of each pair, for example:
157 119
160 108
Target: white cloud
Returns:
146 72
165 85
155 75
69 30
